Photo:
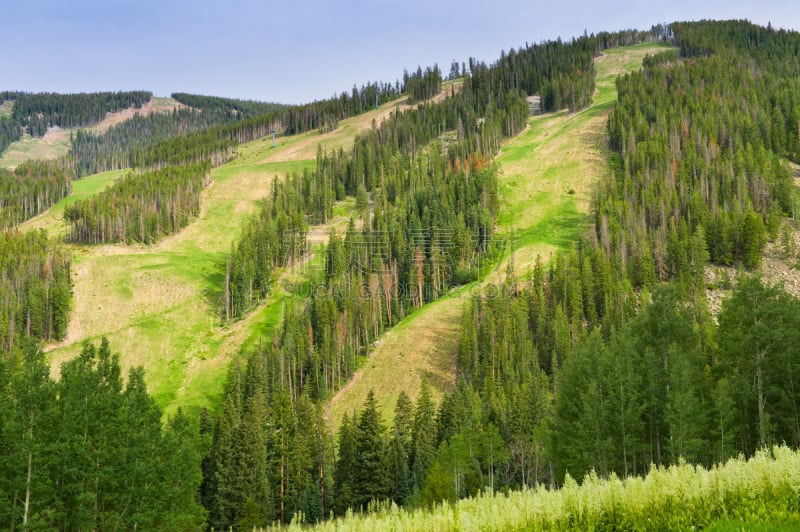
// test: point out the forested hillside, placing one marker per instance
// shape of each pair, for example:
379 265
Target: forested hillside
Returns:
36 112
425 211
140 207
699 141
601 362
240 109
35 288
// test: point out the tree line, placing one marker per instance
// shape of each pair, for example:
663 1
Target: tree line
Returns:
39 111
126 144
32 188
273 238
421 85
10 129
240 109
719 142
140 207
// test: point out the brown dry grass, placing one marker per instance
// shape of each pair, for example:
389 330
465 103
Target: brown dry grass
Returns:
419 349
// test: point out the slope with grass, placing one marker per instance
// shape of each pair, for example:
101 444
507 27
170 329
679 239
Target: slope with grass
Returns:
158 305
6 108
546 180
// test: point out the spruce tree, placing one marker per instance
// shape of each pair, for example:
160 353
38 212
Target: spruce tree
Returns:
370 479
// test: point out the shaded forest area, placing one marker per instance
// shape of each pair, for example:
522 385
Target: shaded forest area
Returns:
90 451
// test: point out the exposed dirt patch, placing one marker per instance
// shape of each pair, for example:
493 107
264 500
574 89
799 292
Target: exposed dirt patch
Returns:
155 105
778 266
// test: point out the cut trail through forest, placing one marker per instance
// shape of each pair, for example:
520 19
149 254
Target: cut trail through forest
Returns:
157 304
546 179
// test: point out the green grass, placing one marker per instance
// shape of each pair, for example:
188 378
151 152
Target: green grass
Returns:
758 494
6 108
159 305
786 524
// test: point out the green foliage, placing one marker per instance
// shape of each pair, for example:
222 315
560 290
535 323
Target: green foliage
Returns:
274 237
241 109
624 380
421 85
758 494
10 129
427 213
38 111
759 350
369 478
270 458
134 140
701 142
93 453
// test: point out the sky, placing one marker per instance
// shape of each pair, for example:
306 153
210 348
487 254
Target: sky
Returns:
295 51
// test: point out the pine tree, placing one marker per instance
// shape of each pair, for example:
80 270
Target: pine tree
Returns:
370 482
423 437
344 475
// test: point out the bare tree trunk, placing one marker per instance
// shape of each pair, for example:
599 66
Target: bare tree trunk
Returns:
762 428
28 487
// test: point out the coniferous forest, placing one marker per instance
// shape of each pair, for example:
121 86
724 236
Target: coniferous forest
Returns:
34 277
36 112
140 207
604 359
32 188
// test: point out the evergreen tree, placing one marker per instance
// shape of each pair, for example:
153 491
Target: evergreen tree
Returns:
370 479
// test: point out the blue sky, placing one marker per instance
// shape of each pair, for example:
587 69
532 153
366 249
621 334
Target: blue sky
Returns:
296 51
